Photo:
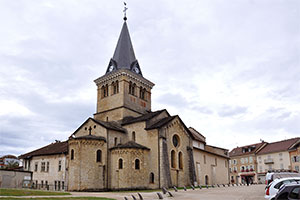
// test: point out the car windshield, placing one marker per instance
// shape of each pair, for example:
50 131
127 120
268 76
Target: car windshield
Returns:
281 183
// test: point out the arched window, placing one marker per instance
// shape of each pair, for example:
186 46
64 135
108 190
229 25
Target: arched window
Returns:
116 141
151 177
142 93
137 164
173 161
133 89
120 163
115 87
106 89
102 91
72 154
99 156
206 180
130 88
180 161
133 135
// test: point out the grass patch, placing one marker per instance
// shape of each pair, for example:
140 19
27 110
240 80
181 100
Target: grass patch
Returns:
60 198
27 192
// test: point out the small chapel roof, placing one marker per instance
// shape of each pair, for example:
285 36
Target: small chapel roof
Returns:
130 145
110 125
51 149
145 117
161 122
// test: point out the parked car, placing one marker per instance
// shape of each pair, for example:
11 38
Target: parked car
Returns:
270 176
272 189
288 192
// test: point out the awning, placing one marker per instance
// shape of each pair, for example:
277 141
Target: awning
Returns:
252 174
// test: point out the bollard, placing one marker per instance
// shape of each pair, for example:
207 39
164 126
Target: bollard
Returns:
133 197
170 194
140 196
228 185
175 188
206 186
223 185
125 198
184 188
164 190
213 186
192 187
159 195
200 187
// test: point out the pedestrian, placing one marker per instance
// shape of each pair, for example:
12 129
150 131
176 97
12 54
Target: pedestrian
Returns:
247 180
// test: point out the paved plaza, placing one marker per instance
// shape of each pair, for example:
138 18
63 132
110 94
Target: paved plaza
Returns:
253 192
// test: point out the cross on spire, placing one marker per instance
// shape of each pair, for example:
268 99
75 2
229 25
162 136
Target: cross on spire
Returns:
125 9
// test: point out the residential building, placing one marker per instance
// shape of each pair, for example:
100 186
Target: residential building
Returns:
275 156
294 152
48 166
243 163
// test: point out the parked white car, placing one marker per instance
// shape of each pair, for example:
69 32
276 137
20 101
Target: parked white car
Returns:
272 189
270 176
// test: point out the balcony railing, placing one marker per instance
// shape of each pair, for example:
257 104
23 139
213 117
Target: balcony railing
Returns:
268 161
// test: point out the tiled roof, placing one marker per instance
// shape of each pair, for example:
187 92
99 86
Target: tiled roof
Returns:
130 145
238 151
110 125
161 122
9 156
283 145
198 136
145 117
51 149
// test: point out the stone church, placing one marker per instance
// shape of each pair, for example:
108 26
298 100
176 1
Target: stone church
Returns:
126 145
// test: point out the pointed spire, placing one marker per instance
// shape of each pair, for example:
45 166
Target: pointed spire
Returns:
124 57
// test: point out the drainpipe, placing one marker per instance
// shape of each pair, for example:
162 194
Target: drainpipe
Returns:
158 144
107 154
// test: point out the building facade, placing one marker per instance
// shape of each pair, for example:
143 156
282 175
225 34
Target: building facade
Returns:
211 163
243 163
126 145
294 152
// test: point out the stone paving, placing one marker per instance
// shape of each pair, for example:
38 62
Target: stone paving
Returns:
252 192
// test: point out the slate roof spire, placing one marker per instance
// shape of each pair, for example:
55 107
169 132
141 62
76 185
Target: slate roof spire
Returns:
124 57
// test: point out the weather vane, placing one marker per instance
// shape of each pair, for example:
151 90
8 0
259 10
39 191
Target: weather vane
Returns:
125 8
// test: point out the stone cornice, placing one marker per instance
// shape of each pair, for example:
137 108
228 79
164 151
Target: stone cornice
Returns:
123 72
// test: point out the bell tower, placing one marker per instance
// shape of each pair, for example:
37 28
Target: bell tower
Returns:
123 91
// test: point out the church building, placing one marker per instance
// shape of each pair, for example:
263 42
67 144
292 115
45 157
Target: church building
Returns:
126 145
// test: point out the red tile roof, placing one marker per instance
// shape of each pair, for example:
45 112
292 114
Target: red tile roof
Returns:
283 145
238 151
51 149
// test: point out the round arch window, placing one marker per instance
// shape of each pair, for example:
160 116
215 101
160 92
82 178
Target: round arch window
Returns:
175 140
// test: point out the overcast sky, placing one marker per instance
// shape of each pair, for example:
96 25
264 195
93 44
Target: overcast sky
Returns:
230 69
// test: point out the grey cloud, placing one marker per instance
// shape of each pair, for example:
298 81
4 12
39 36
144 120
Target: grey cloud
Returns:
230 111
